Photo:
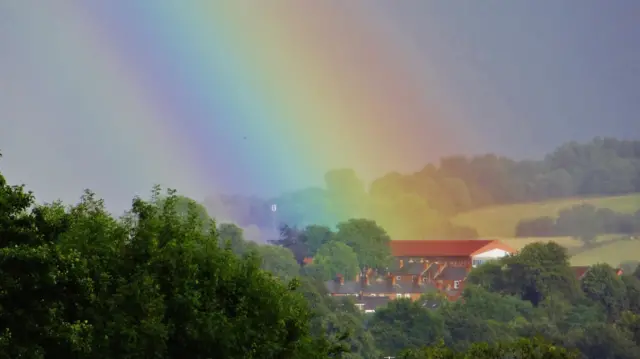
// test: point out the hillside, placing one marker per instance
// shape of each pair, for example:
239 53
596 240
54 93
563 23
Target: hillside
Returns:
501 221
612 254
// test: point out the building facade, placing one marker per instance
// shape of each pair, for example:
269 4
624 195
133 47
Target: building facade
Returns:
420 267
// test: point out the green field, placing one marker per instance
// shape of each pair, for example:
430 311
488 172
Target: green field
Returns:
612 254
501 221
567 242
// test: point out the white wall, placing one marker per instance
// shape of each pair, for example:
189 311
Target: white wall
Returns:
487 256
491 254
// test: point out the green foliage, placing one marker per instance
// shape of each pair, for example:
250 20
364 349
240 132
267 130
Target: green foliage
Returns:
335 258
538 271
279 261
368 240
154 284
40 285
536 348
602 285
405 324
232 236
314 236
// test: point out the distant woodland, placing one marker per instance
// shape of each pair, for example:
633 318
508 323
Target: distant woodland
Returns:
420 204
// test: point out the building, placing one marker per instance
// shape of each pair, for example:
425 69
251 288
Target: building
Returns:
420 267
459 253
370 289
443 263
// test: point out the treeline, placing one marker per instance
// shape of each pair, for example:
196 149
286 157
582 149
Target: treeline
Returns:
582 221
417 205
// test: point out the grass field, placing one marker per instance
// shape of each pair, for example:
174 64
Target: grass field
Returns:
611 254
567 242
501 221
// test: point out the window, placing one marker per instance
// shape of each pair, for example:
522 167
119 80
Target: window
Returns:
398 277
456 284
477 262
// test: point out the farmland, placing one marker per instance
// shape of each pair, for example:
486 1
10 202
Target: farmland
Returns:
501 221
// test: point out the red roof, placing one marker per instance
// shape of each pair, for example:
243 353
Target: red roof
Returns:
444 248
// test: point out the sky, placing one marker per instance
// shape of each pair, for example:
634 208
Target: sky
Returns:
261 98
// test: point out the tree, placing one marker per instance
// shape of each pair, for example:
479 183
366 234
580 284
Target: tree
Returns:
536 227
368 240
336 258
404 324
601 340
78 283
41 285
185 205
314 236
580 221
538 271
520 349
233 236
629 322
602 285
279 261
336 317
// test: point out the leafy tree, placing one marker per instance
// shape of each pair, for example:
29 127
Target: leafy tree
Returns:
538 271
279 261
292 239
601 284
41 287
314 236
632 288
404 324
580 221
519 349
600 340
368 240
537 227
233 236
78 283
336 317
336 258
629 322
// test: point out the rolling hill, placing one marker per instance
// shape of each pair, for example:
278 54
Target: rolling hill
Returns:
501 221
612 254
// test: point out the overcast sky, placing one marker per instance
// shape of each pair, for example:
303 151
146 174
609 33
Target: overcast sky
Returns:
527 76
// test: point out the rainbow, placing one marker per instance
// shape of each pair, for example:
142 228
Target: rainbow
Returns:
234 96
